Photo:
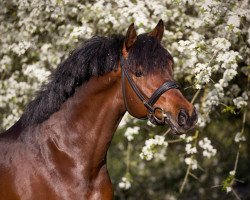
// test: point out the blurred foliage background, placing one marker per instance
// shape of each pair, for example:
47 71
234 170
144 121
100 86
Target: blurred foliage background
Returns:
163 179
210 43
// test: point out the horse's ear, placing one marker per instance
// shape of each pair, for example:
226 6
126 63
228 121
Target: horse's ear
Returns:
130 37
158 31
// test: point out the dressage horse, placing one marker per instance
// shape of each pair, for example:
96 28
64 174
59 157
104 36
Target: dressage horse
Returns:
57 150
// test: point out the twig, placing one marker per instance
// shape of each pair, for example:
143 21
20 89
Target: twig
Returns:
236 195
242 128
167 132
189 166
238 152
201 168
195 96
237 180
236 160
195 177
128 158
216 186
175 141
186 176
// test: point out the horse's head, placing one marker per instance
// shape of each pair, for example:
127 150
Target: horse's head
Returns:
148 86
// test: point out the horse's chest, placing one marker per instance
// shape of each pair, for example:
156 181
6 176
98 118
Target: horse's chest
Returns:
28 183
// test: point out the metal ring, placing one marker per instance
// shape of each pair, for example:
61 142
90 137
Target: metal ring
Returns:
159 120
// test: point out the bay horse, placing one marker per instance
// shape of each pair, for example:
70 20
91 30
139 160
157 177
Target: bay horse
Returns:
57 149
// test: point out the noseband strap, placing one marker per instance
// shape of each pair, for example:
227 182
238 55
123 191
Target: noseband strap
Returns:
148 102
162 89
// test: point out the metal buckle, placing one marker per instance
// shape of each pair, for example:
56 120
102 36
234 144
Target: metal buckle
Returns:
159 115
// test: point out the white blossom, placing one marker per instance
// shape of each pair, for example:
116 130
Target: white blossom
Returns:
191 161
183 136
232 172
234 20
202 120
124 184
228 189
131 132
239 137
233 23
208 149
150 148
21 47
241 101
81 31
220 44
202 74
190 150
227 58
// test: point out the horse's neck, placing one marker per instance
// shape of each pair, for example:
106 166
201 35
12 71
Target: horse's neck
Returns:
83 128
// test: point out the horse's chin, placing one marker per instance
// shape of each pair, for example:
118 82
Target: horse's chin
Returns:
176 129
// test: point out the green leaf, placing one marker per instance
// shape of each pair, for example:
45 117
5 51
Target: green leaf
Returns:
227 182
230 109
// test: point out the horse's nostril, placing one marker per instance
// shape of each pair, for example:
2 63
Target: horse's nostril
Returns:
182 118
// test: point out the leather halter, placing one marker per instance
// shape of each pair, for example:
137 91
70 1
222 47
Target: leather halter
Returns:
148 102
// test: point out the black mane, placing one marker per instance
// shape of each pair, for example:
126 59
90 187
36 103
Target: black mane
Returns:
97 56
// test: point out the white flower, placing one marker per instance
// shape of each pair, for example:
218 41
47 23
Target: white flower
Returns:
241 101
239 137
202 120
190 150
229 189
227 57
232 172
21 47
208 150
124 183
220 44
192 162
234 20
81 31
149 150
183 136
131 132
184 43
160 140
189 139
34 71
202 73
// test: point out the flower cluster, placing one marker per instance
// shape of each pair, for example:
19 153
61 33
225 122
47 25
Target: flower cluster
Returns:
208 149
20 48
190 150
241 101
149 151
186 138
192 162
131 132
25 47
124 184
239 137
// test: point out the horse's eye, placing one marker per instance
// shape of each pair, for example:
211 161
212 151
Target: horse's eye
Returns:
138 73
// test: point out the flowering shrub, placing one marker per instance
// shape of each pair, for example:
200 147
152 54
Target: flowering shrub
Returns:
209 41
